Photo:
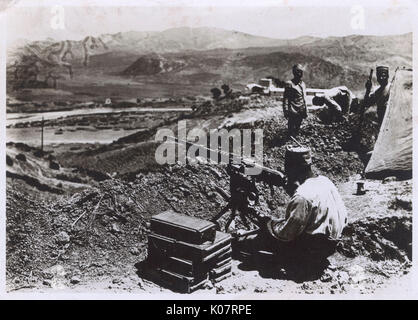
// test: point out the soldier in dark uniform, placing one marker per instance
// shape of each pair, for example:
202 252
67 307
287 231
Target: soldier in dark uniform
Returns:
294 101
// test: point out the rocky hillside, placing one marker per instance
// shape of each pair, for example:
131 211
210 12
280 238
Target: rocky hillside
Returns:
152 64
329 62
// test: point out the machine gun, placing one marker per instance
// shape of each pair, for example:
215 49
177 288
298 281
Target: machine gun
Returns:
244 195
243 190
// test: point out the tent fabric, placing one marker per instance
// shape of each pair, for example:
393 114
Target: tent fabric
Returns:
392 154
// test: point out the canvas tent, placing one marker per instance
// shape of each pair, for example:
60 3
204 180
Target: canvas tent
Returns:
392 154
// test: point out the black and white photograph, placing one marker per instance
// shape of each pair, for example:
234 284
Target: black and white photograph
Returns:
195 149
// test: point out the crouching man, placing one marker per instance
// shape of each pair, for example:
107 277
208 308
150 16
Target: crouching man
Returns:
337 100
314 220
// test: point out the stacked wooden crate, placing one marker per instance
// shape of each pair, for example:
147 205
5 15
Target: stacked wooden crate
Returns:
185 252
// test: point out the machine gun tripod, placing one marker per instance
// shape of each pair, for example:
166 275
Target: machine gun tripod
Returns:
243 191
244 197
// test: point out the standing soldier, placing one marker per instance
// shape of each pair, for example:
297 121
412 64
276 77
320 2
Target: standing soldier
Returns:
294 101
379 96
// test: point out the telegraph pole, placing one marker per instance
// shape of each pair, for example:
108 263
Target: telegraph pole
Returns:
42 135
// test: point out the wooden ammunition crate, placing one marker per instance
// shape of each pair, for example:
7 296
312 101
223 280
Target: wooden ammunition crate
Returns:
217 272
194 252
183 228
188 267
172 280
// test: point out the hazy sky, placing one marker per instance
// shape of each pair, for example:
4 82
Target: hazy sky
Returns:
276 19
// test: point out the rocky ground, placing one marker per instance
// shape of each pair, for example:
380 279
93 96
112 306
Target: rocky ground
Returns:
99 236
93 239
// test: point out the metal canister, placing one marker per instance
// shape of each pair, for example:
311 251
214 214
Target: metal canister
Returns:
360 188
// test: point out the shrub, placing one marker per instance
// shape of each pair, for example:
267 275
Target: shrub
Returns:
21 157
54 165
9 160
216 93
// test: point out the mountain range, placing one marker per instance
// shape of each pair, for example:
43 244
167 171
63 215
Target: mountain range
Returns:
212 56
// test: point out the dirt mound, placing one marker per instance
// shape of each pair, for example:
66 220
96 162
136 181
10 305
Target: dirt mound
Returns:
34 182
101 232
97 228
105 226
40 170
233 103
334 151
380 238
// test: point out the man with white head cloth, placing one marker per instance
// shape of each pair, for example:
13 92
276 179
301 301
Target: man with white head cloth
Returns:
314 220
